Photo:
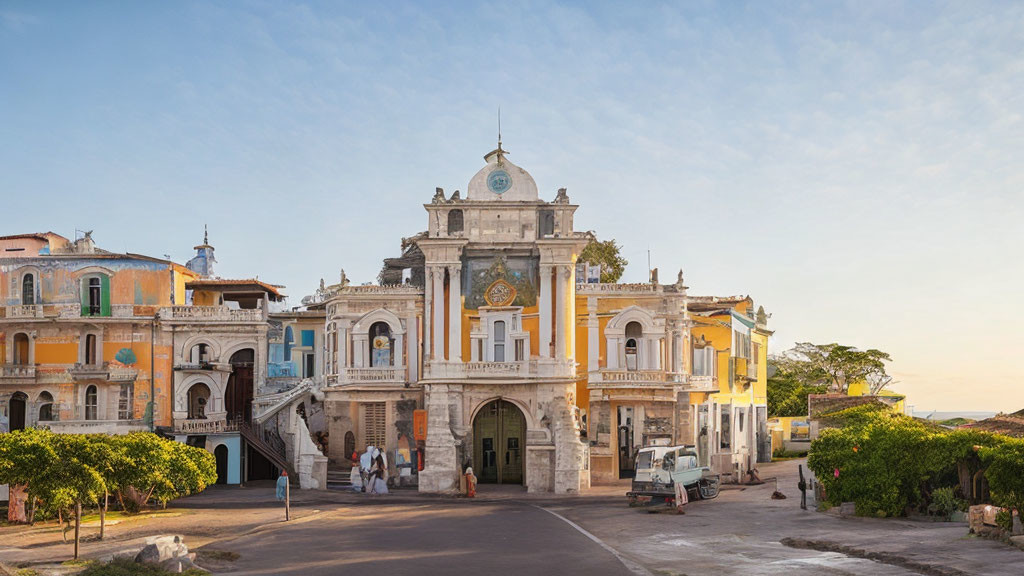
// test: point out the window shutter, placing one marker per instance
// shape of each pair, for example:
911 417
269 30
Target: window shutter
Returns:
84 293
104 295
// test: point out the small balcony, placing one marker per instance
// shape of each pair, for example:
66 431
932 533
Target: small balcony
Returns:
122 374
195 366
89 371
24 311
373 375
212 314
96 426
634 376
204 426
703 383
18 371
534 368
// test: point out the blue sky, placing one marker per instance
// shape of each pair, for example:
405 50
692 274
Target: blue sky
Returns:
855 167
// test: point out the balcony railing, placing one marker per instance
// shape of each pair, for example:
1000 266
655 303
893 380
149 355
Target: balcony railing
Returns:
95 426
485 369
703 382
80 370
602 288
212 314
634 376
204 426
25 311
17 371
374 374
122 374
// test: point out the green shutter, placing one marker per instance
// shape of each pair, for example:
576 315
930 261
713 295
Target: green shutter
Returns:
104 295
84 289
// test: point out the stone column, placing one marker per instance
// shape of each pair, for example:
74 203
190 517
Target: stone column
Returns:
438 337
544 305
428 294
593 340
561 280
413 352
677 350
455 314
398 360
440 471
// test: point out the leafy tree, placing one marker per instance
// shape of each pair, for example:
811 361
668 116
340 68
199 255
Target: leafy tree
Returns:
190 470
24 454
787 391
1005 472
836 366
607 255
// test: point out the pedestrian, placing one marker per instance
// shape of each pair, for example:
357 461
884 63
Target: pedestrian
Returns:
379 485
682 498
282 485
365 463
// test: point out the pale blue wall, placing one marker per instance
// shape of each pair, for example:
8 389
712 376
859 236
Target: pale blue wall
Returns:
234 445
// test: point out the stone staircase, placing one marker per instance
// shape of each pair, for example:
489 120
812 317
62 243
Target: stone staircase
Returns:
338 477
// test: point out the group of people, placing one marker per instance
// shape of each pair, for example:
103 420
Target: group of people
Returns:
371 474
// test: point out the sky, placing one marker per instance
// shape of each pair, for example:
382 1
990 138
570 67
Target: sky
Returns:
855 167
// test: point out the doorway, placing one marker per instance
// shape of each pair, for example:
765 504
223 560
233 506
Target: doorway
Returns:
626 442
17 411
238 399
499 434
220 453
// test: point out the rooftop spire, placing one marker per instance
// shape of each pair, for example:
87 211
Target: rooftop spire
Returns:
206 235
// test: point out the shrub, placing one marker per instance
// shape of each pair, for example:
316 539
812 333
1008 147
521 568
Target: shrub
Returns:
1005 472
128 567
945 503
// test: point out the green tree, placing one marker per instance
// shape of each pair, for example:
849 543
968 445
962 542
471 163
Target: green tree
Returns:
24 454
189 471
836 366
787 392
607 255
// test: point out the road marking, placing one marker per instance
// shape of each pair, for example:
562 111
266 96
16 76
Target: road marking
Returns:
630 565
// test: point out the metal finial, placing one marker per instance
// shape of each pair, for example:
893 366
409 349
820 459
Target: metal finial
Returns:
206 235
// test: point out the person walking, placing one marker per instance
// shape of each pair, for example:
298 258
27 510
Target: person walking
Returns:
379 476
365 463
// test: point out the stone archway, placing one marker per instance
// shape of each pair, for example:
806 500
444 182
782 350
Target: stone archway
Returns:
17 412
499 443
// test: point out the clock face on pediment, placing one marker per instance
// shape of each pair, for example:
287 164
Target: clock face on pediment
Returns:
498 181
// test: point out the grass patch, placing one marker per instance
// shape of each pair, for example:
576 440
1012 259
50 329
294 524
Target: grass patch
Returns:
128 567
26 572
216 555
788 454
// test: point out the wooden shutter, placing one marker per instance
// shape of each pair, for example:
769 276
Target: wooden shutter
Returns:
375 424
84 293
104 295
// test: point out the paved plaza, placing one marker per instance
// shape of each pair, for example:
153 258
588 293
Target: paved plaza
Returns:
506 531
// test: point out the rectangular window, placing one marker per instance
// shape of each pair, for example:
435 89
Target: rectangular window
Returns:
704 361
126 401
307 338
310 366
499 341
520 350
726 429
375 423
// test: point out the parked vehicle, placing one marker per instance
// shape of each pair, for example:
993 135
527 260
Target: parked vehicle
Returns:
659 468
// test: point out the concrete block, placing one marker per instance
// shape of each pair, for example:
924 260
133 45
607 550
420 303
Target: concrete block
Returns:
848 509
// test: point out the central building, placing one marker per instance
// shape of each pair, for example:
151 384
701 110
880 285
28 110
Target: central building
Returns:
487 297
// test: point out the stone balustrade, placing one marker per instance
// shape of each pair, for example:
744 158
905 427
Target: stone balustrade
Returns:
634 376
121 373
211 314
96 426
25 311
204 426
373 374
485 369
617 288
17 371
703 383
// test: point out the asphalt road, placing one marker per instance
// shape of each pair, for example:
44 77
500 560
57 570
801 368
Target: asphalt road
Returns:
429 538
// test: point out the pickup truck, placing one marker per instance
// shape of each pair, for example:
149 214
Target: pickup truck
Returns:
659 468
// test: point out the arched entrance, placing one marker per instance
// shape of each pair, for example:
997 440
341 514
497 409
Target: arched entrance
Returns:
220 453
238 399
198 400
499 443
17 411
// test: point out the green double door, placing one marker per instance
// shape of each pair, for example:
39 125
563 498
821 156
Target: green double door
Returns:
499 443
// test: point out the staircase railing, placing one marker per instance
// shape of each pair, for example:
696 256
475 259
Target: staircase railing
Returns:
271 446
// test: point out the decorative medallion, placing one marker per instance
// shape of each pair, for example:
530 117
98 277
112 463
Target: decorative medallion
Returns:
500 293
499 181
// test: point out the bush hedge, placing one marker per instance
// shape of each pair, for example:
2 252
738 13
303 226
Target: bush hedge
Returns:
889 463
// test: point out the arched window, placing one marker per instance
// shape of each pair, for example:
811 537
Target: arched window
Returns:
199 354
289 340
45 407
633 333
499 341
91 403
455 221
28 290
90 350
198 398
21 349
382 345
